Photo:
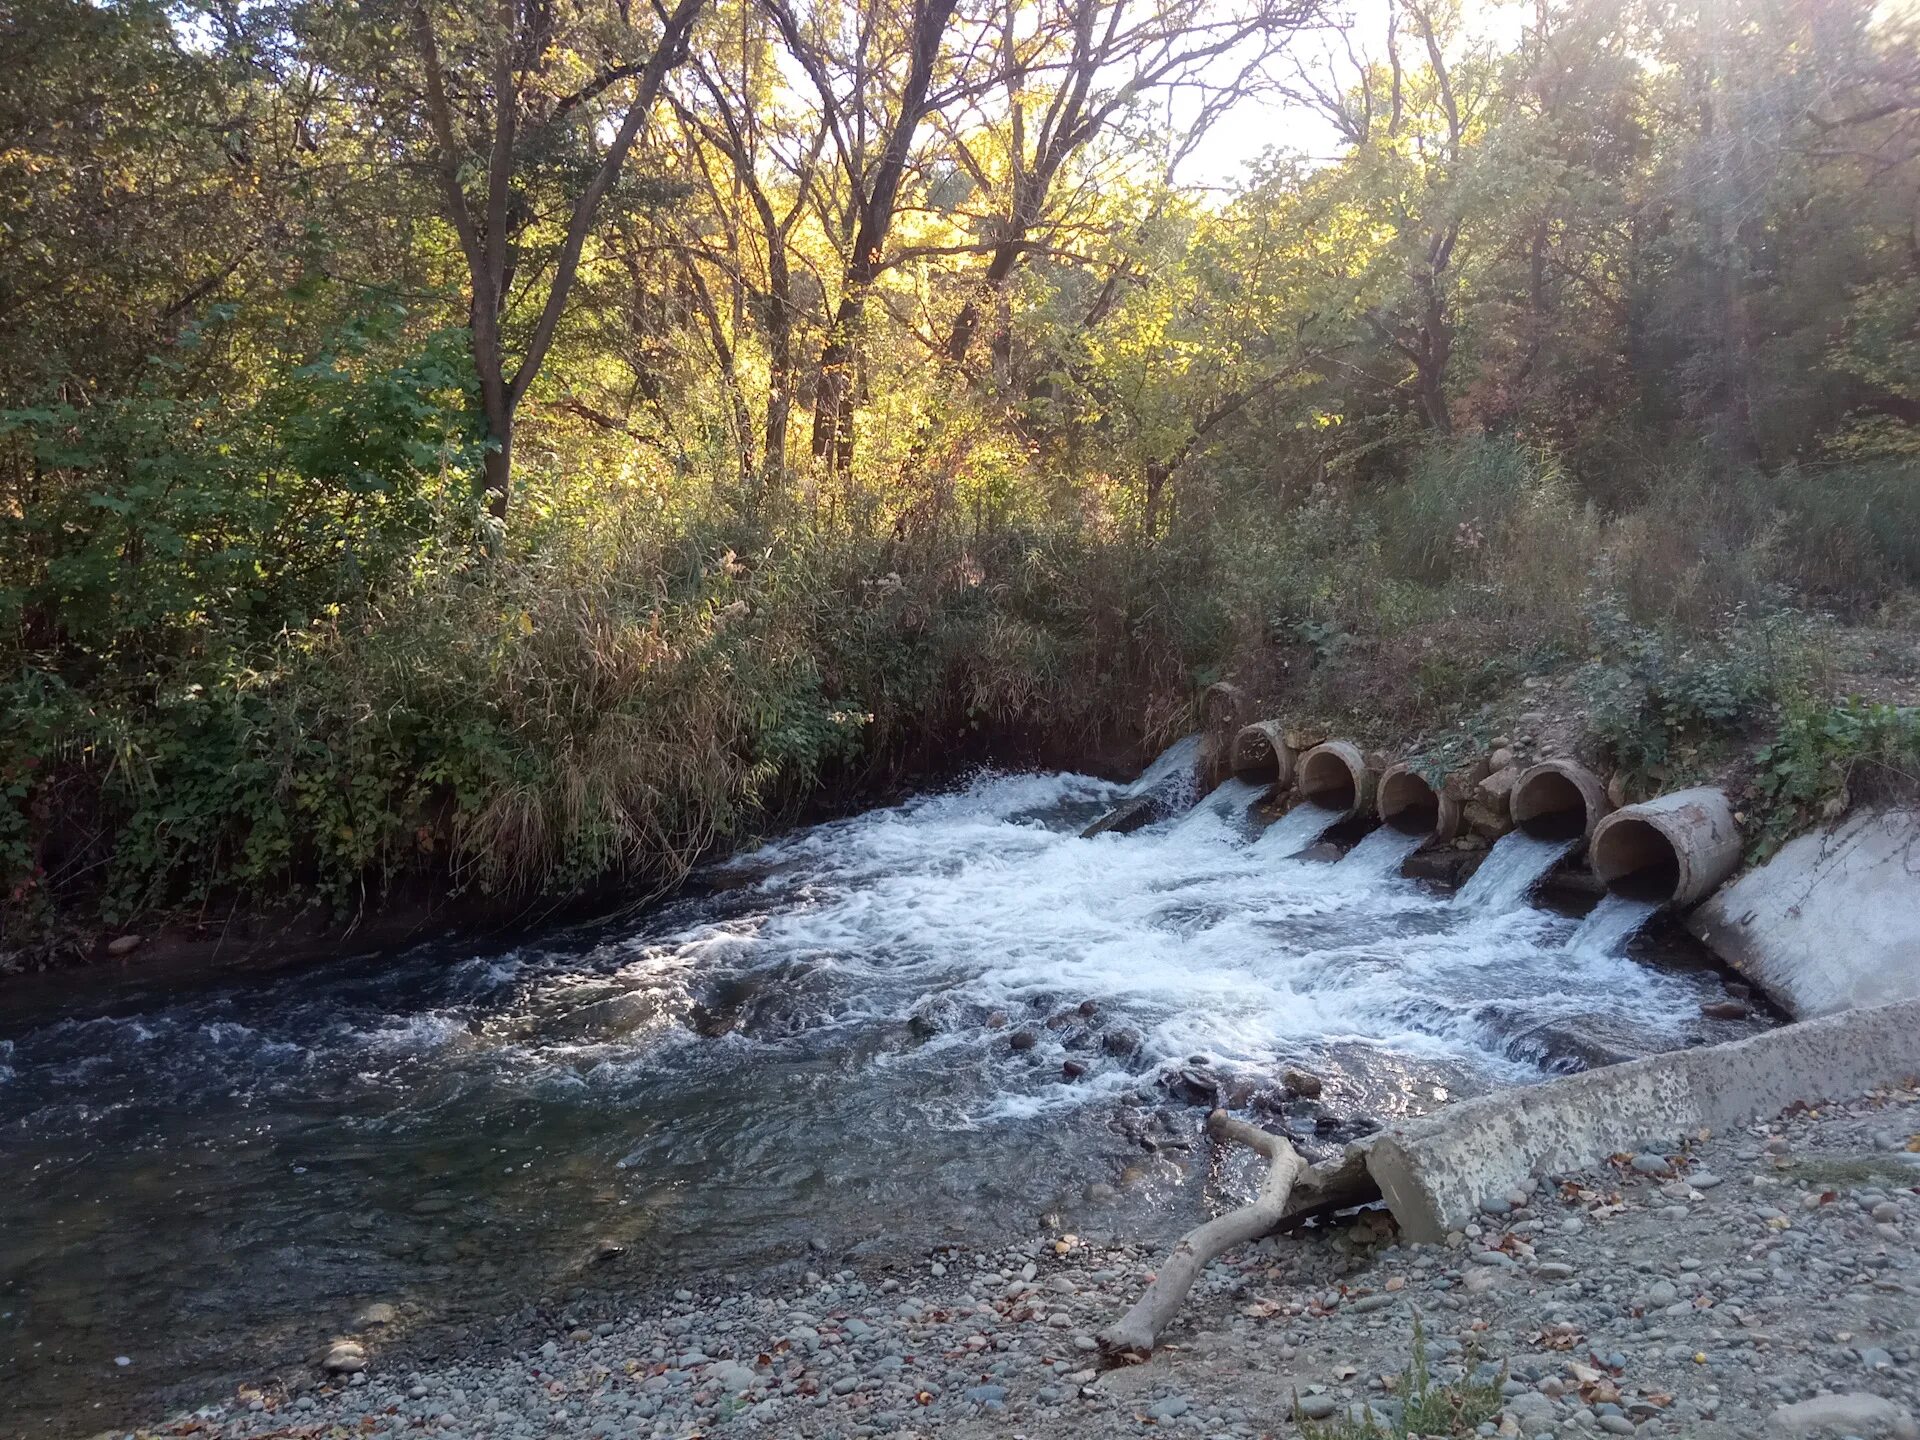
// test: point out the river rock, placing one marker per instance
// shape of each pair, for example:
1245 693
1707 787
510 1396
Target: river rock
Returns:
1495 791
345 1357
1022 1040
122 946
1121 1042
1303 1083
375 1316
1855 1413
1193 1085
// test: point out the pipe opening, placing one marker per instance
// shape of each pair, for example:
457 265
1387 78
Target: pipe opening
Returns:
1326 781
1255 757
1408 804
1636 861
1550 807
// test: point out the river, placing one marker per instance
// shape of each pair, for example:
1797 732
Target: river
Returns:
816 1053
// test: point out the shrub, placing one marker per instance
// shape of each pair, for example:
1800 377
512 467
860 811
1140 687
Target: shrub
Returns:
1827 755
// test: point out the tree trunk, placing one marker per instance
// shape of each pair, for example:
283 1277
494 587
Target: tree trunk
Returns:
1133 1336
497 468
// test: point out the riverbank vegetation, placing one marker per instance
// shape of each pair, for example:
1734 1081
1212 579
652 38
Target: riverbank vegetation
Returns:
528 444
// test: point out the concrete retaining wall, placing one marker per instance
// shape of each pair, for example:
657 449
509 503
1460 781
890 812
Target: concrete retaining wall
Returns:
1434 1172
1829 923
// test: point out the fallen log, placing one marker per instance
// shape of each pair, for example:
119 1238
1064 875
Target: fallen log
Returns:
1132 1337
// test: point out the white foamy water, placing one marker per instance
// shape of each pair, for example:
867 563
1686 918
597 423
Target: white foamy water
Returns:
1512 868
1610 927
1297 829
1174 773
727 1079
1380 855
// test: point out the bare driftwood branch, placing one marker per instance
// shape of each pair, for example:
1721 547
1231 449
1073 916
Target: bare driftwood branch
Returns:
1133 1335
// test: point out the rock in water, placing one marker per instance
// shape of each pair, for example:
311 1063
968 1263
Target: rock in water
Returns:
1303 1083
345 1357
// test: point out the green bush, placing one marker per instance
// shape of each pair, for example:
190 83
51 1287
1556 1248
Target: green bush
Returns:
1825 753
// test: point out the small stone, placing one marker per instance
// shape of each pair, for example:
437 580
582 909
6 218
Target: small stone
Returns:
1022 1040
1315 1407
1650 1164
1072 1070
1168 1409
345 1357
1886 1212
1726 1009
1554 1270
376 1316
122 946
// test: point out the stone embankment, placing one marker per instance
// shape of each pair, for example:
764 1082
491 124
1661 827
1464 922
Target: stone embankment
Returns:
1765 1280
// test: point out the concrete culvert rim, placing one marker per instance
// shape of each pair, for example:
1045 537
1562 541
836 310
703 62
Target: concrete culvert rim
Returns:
1327 779
1260 756
1558 800
1409 804
1636 860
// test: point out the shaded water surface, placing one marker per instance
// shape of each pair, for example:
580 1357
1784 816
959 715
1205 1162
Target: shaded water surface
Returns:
814 1055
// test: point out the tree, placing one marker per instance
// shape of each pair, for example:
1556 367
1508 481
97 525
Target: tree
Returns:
517 84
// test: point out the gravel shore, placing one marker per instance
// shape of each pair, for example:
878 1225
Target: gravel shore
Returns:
1761 1282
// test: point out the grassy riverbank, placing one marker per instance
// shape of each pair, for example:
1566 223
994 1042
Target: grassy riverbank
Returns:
558 488
605 703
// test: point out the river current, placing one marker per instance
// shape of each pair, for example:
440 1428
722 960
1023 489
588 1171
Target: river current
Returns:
854 1040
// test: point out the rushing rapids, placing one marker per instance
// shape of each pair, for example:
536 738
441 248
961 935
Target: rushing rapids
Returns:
931 1022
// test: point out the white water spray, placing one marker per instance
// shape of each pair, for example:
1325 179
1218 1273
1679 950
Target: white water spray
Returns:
1517 863
1297 829
1380 855
1227 804
1611 926
1174 774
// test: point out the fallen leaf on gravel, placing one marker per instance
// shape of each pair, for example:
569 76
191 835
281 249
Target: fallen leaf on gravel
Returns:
1557 1337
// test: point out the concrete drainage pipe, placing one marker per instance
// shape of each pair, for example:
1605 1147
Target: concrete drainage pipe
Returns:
1261 755
1335 777
1409 804
1558 800
1675 849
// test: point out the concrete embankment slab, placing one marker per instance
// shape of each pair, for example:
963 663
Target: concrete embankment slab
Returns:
1829 923
1434 1172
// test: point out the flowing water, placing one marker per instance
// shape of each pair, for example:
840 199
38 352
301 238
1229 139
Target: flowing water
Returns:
1174 775
1230 804
812 1056
1380 855
1611 925
1297 829
1517 862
